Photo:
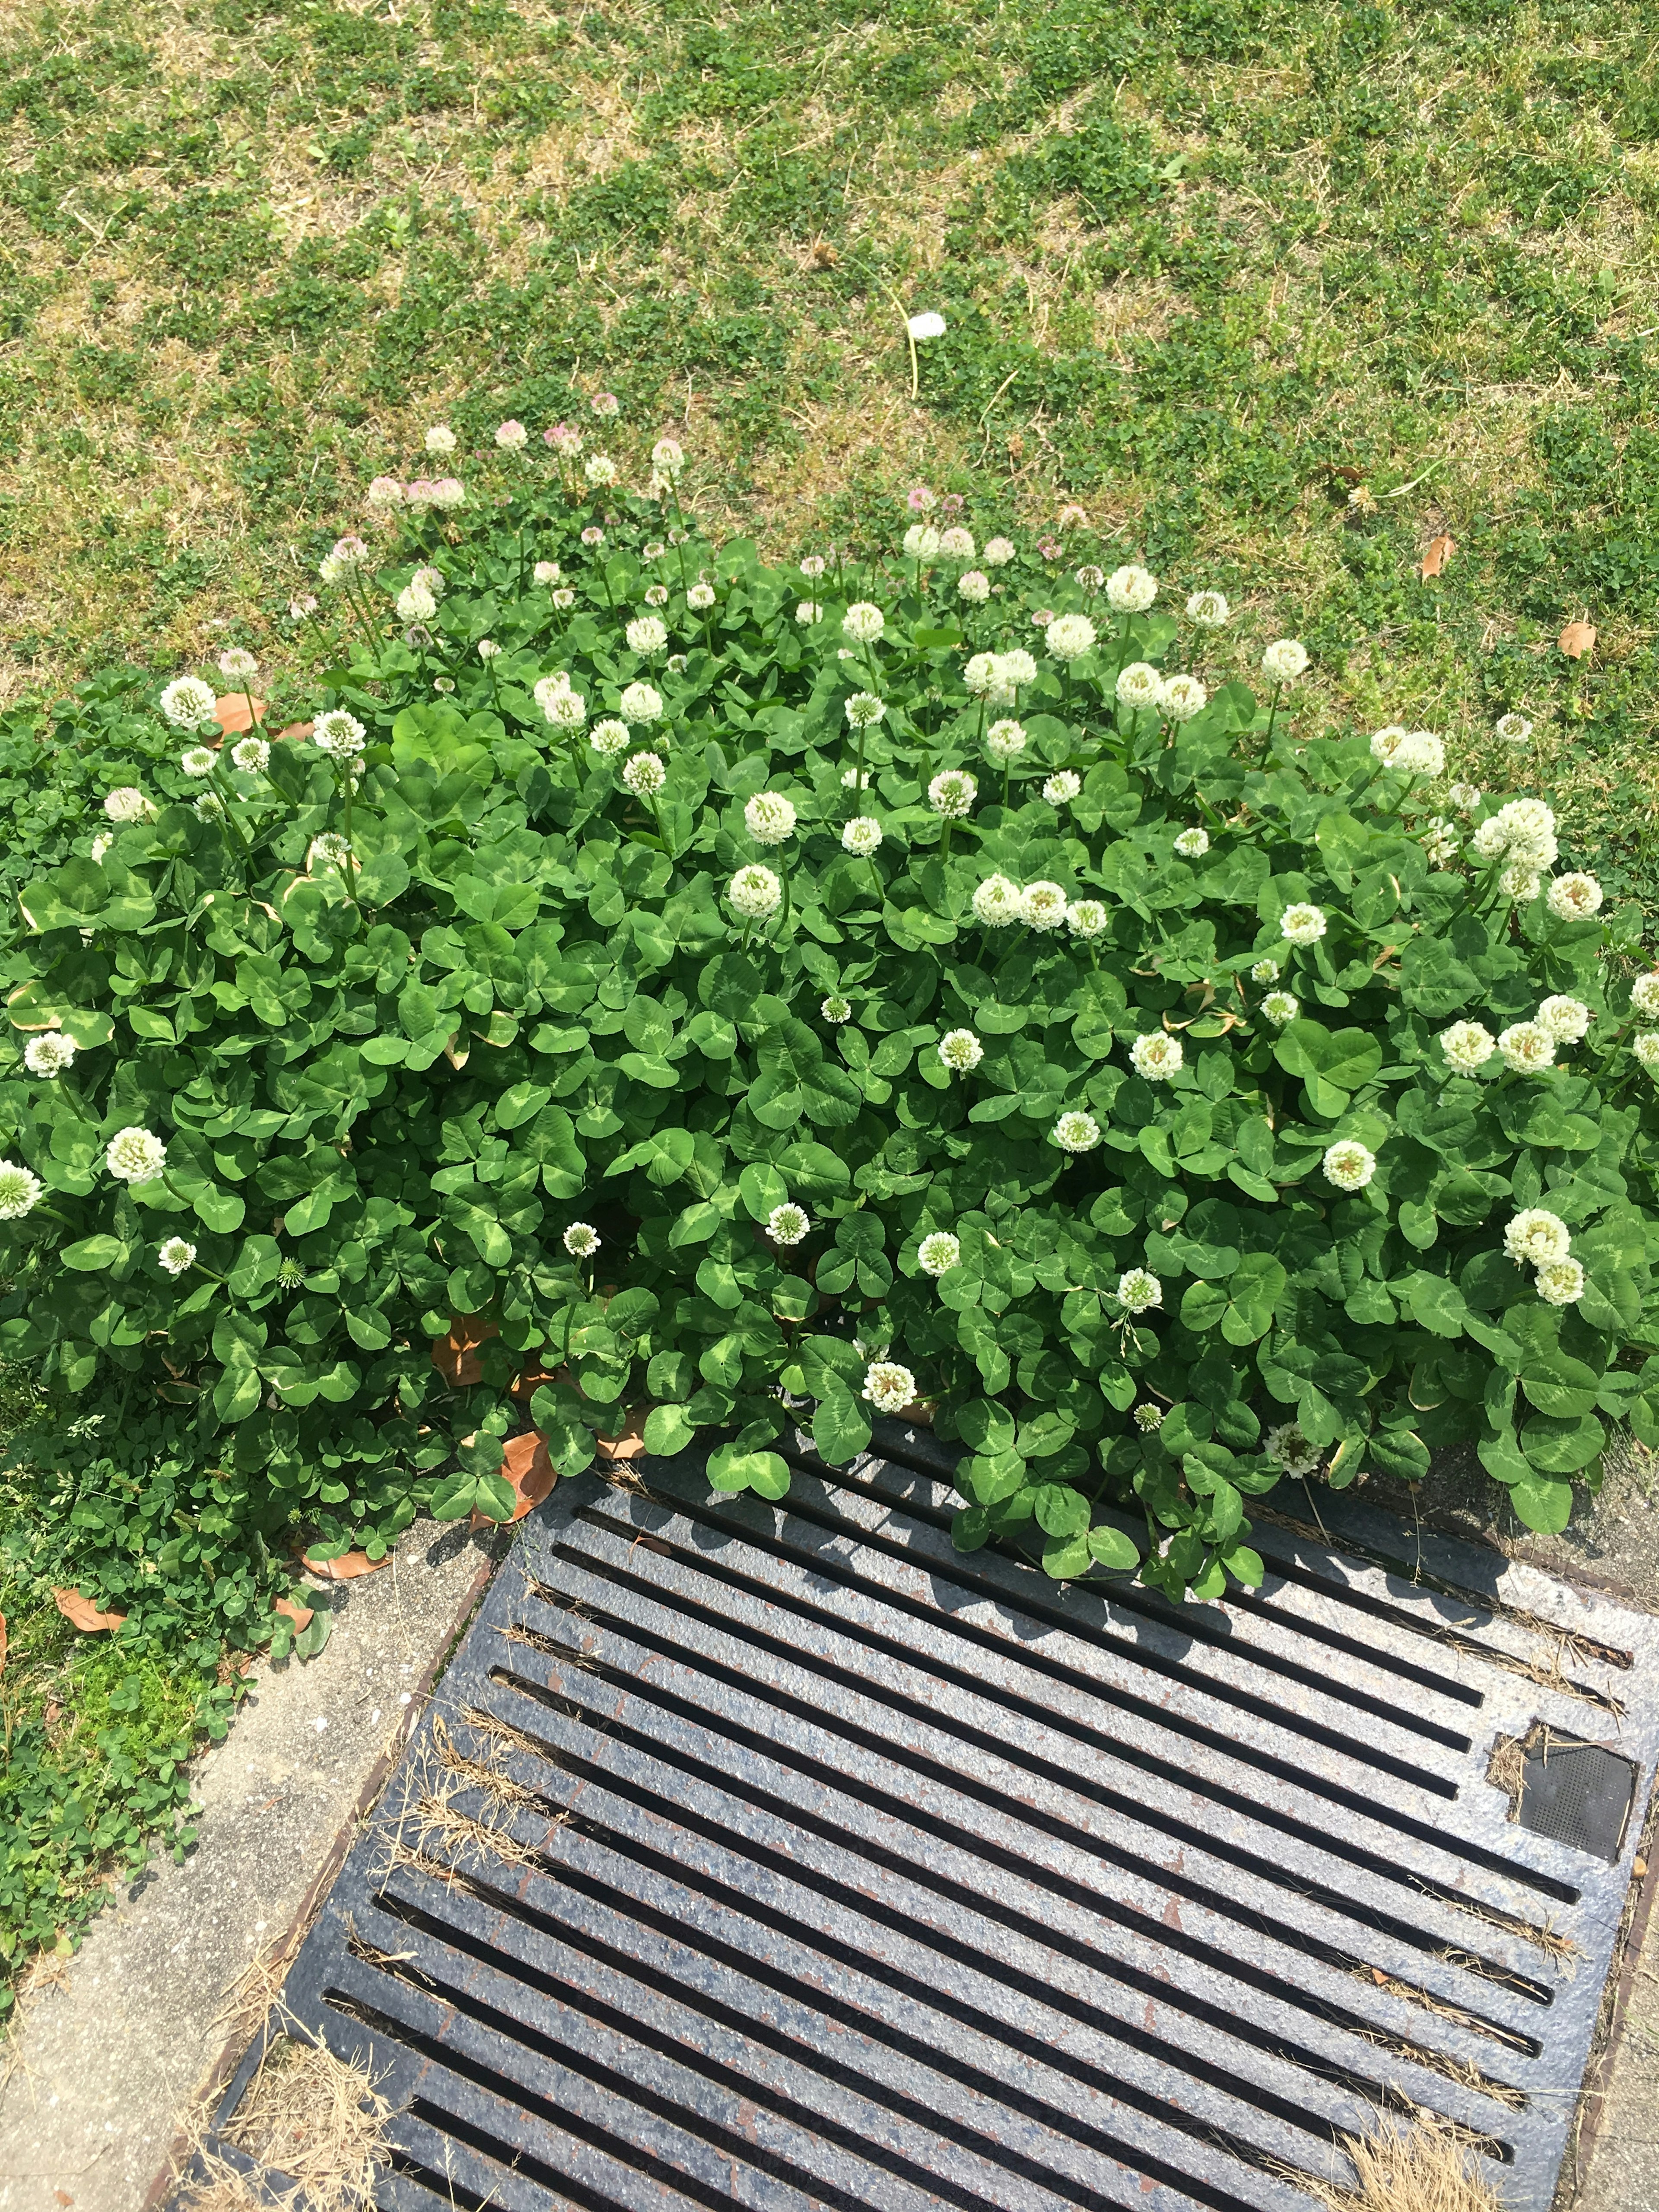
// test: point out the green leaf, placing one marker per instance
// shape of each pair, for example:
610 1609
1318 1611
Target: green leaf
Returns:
668 1430
1562 1446
1435 1303
1542 1502
1111 1549
841 1430
93 1254
1558 1384
665 1155
762 1472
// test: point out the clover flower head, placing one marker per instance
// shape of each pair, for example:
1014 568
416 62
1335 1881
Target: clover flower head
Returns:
645 775
1265 971
177 1255
1561 1283
640 703
1042 906
1041 617
1527 1048
1157 1055
1302 924
330 850
189 704
1521 882
789 1224
863 623
1646 1049
1386 743
974 587
1131 590
957 543
809 612
304 605
48 1056
920 500
592 535
813 565
1567 1019
1180 697
961 1051
488 648
1077 1132
289 1274
1535 1237
938 1253
101 843
755 892
564 598
1209 610
1467 1046
647 634
982 673
440 439
196 760
547 572
1018 666
251 755
1090 577
1349 1164
1147 1416
1140 686
1139 1290
836 1009
851 780
1465 797
1522 831
563 709
1512 729
864 710
208 804
700 598
1280 1007
921 542
997 552
20 1191
512 436
599 469
1575 897
1193 844
446 492
928 325
861 836
340 734
1439 839
605 405
135 1155
582 1240
1062 787
668 458
342 559
1070 636
1291 1449
769 818
889 1387
1004 742
952 793
1284 659
414 604
1085 918
996 901
238 664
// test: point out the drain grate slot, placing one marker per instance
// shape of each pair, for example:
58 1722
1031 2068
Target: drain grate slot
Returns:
782 1856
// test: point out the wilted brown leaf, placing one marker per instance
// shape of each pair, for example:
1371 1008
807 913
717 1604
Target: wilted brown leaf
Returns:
1440 551
528 1466
231 713
347 1567
299 731
300 1615
81 1611
455 1356
629 1443
1576 638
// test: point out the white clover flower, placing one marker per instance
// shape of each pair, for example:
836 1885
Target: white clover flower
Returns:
1645 995
755 891
609 737
127 804
238 664
1465 797
1386 744
1287 1445
441 438
581 1240
547 572
974 587
414 604
808 612
188 704
699 597
208 805
961 1051
1209 610
1062 787
177 1255
769 818
599 469
1646 1048
1139 687
668 458
135 1155
1421 753
563 598
861 836
1284 659
1513 729
48 1056
1349 1164
443 493
864 710
1042 906
850 779
789 1224
1280 1007
339 734
889 1387
1193 844
1180 697
1070 636
1439 839
1147 1416
957 543
1489 842
1085 918
645 775
1018 666
640 703
198 760
936 1253
1139 1290
592 535
647 634
1561 1283
996 901
251 755
1527 1048
101 843
605 405
997 552
1523 831
1467 1045
814 564
1567 1019
982 674
488 648
1090 577
1130 590
1157 1055
20 1191
863 623
837 1009
344 557
1077 1132
512 437
952 793
929 324
1265 971
1303 924
330 850
920 542
1575 897
1004 742
1521 882
1536 1236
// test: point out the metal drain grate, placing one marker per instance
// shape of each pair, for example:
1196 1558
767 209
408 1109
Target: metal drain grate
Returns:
782 1856
1579 1793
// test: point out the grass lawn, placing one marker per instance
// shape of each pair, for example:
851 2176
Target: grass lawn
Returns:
1209 268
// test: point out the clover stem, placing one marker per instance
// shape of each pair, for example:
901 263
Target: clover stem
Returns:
1272 712
858 769
945 840
351 857
783 910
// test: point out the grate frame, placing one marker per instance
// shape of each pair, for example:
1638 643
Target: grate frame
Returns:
833 1868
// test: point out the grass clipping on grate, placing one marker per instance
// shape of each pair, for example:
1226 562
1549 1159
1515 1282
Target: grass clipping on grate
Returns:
314 2127
1408 2166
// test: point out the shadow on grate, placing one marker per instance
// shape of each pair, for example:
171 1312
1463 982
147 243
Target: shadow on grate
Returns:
782 1855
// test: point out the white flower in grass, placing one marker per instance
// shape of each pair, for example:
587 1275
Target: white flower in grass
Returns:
1157 1055
1439 839
344 559
1139 1290
1193 844
20 1191
769 818
198 760
789 1224
814 564
440 439
1077 1132
1567 1019
996 901
1527 1048
1147 1416
1018 666
982 673
582 1240
952 793
1520 881
1349 1164
1421 753
208 805
1287 1445
640 703
755 892
863 623
330 850
605 405
1130 590
1280 1007
251 755
1005 741
861 836
1575 897
851 780
700 598
48 1056
414 604
135 1155
609 737
920 542
443 493
1180 697
1284 659
1561 1283
1522 830
974 587
837 1009
1086 918
997 552
384 497
961 1051
647 634
1140 686
1209 610
889 1387
668 458
599 469
128 804
187 703
1070 636
1646 1048
1467 1045
547 572
177 1255
101 843
1465 797
928 325
808 612
238 664
339 734
1303 924
1643 992
864 710
512 437
1265 971
488 649
1536 1236
939 1252
1042 906
957 543
645 775
1512 729
563 598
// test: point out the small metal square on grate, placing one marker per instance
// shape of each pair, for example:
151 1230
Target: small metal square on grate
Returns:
784 1857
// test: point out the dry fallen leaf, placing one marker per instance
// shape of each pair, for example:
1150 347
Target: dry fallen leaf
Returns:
455 1356
1440 551
1639 1867
231 713
1576 638
346 1568
300 1615
299 731
629 1443
81 1613
529 1469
